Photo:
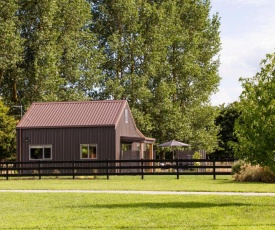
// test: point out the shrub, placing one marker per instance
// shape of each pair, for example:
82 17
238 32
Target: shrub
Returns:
251 173
7 133
196 155
237 166
268 175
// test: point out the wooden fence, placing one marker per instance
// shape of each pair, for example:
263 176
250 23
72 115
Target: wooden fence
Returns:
73 169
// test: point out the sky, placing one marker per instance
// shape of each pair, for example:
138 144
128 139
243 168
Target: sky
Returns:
247 34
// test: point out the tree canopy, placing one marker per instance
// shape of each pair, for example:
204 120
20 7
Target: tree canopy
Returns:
10 49
7 132
160 56
226 138
58 52
255 128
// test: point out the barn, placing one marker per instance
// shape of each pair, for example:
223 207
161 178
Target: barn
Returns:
81 130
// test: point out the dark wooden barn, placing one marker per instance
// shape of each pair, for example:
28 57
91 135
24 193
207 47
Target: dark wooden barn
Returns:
87 130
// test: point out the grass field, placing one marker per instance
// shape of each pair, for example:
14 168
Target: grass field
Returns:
133 211
116 211
155 183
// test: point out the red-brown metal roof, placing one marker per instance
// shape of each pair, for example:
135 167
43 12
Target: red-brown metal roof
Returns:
70 114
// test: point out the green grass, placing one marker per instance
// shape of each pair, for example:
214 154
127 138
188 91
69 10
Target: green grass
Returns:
155 183
116 211
136 211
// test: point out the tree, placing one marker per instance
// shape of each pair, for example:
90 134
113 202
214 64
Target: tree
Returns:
161 57
7 133
60 57
10 48
118 27
226 121
204 131
255 128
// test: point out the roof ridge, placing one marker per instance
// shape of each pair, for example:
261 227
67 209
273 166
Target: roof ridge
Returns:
75 102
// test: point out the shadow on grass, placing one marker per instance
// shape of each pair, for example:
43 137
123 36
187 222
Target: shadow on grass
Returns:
180 205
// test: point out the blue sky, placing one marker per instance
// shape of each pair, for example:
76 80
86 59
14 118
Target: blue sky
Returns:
247 35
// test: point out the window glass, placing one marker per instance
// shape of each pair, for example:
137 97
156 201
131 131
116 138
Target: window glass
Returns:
92 152
47 153
88 151
126 115
37 153
84 151
40 152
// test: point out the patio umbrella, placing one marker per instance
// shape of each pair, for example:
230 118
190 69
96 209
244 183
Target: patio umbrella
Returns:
173 143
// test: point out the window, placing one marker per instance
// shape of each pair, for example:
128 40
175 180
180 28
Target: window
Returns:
126 115
88 151
40 152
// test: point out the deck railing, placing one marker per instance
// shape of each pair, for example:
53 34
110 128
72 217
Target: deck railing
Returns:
74 169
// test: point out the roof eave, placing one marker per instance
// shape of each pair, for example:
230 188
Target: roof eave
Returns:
66 126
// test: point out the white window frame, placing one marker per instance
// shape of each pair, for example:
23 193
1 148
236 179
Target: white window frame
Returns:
88 145
43 151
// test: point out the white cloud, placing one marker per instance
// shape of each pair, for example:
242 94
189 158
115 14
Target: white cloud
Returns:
247 35
226 95
241 3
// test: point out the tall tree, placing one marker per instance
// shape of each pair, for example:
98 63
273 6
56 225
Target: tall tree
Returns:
58 60
255 127
189 71
10 48
118 28
160 56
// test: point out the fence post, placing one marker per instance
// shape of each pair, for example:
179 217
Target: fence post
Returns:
107 168
214 169
39 171
177 166
142 175
7 171
73 169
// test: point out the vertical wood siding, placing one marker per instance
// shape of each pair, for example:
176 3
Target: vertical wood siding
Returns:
66 141
124 129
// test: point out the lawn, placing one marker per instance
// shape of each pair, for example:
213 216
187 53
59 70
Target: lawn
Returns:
116 211
136 211
156 183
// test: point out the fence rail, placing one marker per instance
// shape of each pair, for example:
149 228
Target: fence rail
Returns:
116 167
